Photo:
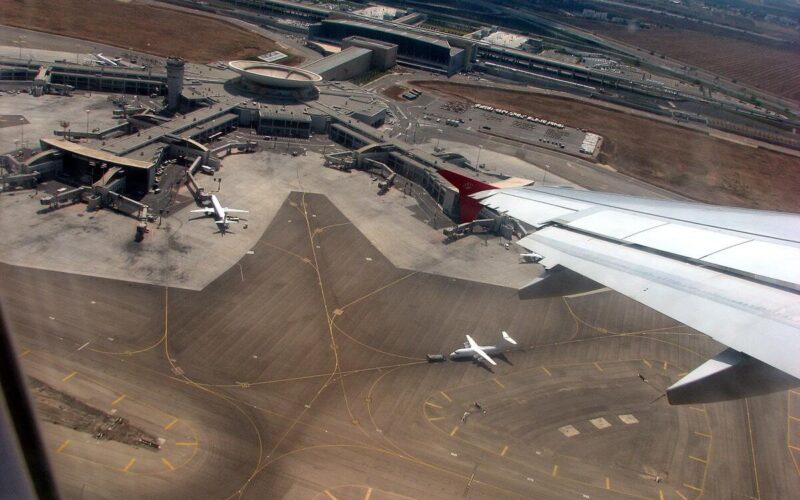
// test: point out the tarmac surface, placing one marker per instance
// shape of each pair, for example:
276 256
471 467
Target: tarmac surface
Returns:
30 44
186 250
300 372
42 116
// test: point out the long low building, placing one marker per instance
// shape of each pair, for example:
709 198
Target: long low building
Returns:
202 122
285 121
413 49
292 9
95 78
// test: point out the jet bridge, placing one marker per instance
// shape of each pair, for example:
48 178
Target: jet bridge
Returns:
387 173
501 225
343 160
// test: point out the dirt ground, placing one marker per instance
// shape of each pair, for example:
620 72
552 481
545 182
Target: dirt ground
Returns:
394 92
139 27
62 409
691 163
770 68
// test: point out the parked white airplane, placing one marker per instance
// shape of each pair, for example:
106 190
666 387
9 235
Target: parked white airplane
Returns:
107 61
220 213
473 350
730 273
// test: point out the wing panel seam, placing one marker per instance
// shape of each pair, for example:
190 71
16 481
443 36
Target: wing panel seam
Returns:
723 249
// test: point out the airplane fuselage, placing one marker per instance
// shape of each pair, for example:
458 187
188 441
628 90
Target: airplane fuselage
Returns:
219 212
468 352
107 61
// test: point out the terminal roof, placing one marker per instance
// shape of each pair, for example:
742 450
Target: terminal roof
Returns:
95 154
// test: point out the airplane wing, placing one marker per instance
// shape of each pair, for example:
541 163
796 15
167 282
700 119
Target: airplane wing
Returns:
727 272
236 211
206 211
478 351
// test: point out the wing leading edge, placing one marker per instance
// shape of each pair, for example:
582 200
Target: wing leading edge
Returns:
478 351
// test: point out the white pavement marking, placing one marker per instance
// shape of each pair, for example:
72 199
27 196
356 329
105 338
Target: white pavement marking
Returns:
84 345
569 431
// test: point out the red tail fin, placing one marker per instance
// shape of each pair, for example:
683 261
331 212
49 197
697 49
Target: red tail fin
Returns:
466 186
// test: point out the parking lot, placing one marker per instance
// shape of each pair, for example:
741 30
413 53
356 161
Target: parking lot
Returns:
527 129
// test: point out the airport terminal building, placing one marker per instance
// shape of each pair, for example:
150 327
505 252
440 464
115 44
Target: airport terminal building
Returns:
413 49
271 99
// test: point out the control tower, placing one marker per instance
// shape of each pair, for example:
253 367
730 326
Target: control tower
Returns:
174 82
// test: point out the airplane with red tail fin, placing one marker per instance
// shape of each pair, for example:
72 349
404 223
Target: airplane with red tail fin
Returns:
468 207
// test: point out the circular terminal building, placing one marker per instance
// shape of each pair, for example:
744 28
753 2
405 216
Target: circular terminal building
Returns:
263 77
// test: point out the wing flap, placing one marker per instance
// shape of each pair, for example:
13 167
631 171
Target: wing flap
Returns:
728 375
747 316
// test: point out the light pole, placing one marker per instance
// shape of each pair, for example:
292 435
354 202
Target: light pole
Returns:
546 169
87 122
18 42
478 158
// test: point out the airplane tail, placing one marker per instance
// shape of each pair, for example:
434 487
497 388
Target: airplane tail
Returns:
466 186
507 339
